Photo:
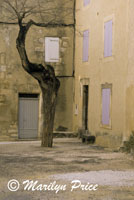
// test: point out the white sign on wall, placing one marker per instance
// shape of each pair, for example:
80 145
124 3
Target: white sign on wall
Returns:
51 49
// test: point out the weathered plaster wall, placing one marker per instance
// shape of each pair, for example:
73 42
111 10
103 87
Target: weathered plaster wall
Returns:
35 41
100 70
63 69
64 109
14 80
130 74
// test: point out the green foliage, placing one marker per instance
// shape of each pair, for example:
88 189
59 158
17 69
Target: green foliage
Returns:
129 145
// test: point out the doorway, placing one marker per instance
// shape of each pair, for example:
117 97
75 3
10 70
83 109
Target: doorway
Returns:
85 107
28 116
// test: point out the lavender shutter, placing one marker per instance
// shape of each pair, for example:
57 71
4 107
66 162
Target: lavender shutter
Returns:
85 45
86 2
108 39
106 93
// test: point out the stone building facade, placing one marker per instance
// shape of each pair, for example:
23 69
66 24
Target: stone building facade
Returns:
104 70
20 95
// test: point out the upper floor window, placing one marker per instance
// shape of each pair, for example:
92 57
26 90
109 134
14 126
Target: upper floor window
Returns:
51 49
85 45
108 26
86 2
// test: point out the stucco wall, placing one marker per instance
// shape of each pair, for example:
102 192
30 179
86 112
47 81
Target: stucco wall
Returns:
130 74
100 70
14 80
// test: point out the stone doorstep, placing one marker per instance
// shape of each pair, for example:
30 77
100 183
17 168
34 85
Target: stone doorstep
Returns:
62 134
56 134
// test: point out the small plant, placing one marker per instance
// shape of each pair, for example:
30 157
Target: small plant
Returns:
129 145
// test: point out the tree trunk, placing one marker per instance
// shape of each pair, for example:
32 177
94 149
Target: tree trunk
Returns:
48 82
48 112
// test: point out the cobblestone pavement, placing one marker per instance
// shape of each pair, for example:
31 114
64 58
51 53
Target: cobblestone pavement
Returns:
68 171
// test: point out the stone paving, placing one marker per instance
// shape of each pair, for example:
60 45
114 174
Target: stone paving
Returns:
68 171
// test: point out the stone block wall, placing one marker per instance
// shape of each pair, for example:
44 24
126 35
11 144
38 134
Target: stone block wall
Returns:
14 80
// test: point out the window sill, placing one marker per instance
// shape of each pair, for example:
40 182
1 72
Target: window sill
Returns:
106 126
107 59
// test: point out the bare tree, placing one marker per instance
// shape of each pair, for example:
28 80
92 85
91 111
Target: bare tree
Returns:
42 13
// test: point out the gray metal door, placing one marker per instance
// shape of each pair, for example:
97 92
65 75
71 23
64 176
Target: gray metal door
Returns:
28 118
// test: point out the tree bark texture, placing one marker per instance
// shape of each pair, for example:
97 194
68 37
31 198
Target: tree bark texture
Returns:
48 113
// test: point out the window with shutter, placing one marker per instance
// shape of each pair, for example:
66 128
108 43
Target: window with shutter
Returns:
51 49
86 2
108 38
106 95
85 45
